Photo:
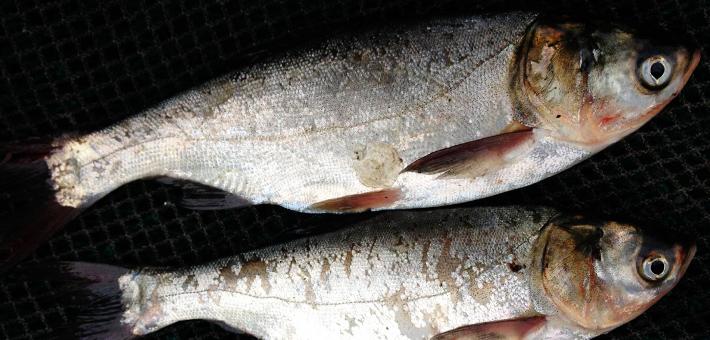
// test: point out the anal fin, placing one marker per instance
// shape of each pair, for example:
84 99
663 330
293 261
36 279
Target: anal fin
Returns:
203 197
360 202
514 329
476 158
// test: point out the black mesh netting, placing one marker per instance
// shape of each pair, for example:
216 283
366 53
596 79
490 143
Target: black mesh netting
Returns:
79 65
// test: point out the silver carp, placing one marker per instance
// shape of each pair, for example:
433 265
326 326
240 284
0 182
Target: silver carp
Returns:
404 116
508 273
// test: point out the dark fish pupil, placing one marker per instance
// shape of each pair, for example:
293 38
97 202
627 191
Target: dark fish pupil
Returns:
657 70
657 267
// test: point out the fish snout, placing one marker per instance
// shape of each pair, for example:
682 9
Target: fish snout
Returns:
694 60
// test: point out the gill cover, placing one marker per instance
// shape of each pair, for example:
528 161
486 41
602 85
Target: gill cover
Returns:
596 273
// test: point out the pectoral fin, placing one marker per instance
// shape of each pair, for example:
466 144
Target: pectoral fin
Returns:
514 329
359 202
477 158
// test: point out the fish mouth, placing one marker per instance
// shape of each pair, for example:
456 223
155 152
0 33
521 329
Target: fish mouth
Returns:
691 65
686 252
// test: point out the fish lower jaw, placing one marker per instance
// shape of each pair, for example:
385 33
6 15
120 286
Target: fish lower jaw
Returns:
591 144
589 324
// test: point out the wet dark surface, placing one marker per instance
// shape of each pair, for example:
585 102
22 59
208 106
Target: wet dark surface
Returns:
81 65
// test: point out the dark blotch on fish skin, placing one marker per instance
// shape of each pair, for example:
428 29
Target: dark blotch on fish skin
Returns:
448 61
189 281
229 276
361 57
425 254
446 262
515 267
217 94
399 242
325 269
349 261
251 269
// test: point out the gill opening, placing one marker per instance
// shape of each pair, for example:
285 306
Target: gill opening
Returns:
522 100
587 315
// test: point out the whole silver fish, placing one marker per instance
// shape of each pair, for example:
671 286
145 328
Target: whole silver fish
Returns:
347 116
405 116
470 273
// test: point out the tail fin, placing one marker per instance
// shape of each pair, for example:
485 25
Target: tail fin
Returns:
95 295
36 214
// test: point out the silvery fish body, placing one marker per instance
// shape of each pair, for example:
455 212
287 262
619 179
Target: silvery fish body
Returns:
404 116
515 273
340 119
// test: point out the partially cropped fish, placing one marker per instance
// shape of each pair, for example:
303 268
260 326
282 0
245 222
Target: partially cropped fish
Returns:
508 273
405 116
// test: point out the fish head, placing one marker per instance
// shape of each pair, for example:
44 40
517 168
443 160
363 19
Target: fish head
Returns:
600 275
594 83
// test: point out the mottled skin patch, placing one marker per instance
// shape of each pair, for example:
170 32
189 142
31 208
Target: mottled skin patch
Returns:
445 265
253 269
218 93
228 275
378 165
349 261
190 282
516 267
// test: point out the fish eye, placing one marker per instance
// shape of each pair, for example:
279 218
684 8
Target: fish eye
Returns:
655 72
654 267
